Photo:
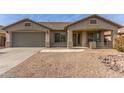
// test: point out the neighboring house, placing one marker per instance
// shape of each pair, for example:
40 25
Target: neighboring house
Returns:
108 34
2 37
28 33
121 32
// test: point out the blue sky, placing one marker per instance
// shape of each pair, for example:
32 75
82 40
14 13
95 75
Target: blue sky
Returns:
6 19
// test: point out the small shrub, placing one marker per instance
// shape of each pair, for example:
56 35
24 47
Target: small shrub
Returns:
119 44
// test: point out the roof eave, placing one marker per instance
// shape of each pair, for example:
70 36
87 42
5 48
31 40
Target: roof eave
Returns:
25 20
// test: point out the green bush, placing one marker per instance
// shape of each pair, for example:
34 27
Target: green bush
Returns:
119 44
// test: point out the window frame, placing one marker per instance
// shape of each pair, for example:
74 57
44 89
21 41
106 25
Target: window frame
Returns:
92 23
61 37
27 24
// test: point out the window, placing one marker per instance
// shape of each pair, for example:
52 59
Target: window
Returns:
93 22
27 24
60 37
94 36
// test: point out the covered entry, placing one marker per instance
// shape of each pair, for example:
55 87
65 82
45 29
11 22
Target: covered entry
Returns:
97 39
28 39
92 30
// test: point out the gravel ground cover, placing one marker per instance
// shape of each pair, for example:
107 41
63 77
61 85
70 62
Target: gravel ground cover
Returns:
86 64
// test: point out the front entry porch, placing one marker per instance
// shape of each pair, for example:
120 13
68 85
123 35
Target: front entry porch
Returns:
89 38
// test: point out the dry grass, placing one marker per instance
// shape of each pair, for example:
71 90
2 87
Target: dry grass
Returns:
82 64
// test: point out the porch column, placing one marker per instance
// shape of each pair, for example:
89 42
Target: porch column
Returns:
84 38
8 39
113 37
47 39
69 39
102 39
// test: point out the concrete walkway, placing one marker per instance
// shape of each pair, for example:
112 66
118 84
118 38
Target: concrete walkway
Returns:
10 57
61 50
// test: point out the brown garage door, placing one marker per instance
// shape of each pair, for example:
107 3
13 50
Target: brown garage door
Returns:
28 39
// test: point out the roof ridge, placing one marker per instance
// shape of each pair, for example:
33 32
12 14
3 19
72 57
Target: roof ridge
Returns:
55 22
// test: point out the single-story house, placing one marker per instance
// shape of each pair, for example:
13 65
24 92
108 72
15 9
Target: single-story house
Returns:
28 33
2 37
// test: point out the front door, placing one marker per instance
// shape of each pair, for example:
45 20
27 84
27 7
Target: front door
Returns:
76 39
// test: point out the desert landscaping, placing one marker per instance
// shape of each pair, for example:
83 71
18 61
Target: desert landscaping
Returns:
90 63
92 47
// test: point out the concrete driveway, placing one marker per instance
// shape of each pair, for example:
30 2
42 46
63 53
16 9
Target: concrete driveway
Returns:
10 57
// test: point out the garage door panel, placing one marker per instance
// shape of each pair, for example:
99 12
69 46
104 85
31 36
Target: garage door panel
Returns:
28 39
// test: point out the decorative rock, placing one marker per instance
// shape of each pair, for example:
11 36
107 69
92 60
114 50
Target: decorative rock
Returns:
114 62
116 68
